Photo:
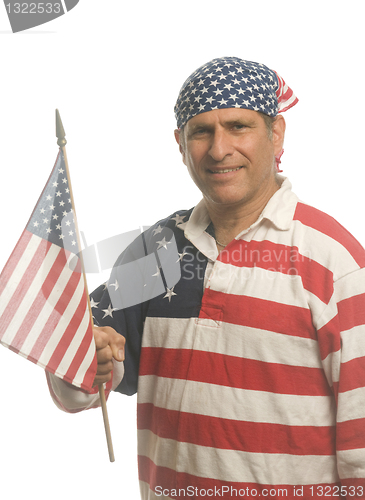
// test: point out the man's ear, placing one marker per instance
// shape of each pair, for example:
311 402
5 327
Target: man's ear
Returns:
180 140
278 133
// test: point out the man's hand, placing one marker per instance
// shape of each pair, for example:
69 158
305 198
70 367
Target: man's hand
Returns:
109 345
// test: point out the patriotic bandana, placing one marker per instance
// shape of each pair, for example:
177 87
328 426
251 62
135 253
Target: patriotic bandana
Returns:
230 82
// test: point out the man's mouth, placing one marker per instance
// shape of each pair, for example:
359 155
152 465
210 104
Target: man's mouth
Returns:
224 171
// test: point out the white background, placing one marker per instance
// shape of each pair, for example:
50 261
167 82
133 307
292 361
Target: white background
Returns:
114 69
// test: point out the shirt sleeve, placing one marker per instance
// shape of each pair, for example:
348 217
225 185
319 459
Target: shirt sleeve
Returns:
342 346
70 399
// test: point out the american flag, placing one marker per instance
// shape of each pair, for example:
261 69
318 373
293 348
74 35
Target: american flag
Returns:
44 314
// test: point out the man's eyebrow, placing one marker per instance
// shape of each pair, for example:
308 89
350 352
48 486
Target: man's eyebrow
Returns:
249 122
239 121
197 126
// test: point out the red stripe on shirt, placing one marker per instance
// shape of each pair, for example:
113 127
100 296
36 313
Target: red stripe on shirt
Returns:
351 434
154 475
325 224
282 259
352 375
231 371
255 437
352 312
329 339
258 313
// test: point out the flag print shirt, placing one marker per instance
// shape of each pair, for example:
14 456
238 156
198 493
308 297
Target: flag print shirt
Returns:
249 365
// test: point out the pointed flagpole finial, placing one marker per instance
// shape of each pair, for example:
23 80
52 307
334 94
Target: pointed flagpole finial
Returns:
60 131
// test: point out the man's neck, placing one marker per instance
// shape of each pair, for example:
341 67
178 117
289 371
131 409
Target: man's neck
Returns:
230 220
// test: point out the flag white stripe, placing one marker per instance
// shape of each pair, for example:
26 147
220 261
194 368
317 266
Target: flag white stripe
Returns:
24 308
18 272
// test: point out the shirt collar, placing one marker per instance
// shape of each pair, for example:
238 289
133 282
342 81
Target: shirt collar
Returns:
279 210
281 206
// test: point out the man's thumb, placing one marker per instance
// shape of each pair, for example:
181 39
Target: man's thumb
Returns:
118 349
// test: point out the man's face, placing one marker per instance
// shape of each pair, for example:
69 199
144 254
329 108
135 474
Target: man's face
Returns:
230 156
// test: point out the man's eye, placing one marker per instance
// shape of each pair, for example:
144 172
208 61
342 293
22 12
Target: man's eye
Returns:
239 126
199 131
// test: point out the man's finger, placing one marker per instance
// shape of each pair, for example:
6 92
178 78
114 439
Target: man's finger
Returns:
117 347
107 336
105 368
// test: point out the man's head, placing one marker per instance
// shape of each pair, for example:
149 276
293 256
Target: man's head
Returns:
230 82
229 130
230 154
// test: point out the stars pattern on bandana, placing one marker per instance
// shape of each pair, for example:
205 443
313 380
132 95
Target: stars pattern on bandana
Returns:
228 82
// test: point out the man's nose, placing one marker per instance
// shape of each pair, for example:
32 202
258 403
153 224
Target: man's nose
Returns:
220 146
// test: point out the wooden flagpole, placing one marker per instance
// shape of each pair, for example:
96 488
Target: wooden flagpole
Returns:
61 136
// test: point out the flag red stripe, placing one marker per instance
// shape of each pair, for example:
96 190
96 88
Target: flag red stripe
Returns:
255 437
66 339
258 313
232 371
53 320
25 282
81 352
39 302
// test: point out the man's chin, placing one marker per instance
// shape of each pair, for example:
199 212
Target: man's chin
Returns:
226 200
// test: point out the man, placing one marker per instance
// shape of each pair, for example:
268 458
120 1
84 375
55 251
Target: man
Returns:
249 369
